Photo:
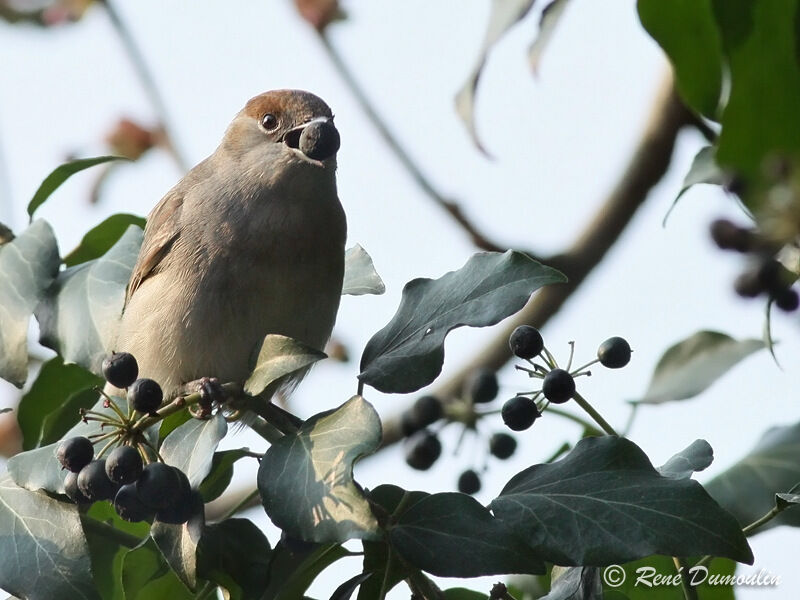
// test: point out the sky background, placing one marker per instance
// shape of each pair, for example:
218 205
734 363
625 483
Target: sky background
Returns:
559 142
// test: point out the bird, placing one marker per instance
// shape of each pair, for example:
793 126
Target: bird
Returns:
249 242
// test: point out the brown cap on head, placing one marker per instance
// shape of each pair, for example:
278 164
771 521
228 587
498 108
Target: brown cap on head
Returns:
296 105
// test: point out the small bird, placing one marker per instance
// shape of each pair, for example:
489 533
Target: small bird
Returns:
250 242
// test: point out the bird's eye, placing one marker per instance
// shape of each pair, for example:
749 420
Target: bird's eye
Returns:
270 122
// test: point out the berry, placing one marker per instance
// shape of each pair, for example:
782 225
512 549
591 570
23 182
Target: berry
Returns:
422 450
729 236
787 300
75 453
124 465
469 482
748 284
408 424
145 395
526 342
129 505
558 386
180 508
72 491
426 411
614 353
482 387
158 486
319 140
519 413
502 445
93 482
120 369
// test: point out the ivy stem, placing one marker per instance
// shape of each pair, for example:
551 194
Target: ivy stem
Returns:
688 590
107 531
598 418
573 417
583 367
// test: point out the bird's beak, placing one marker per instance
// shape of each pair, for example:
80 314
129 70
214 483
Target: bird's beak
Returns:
317 139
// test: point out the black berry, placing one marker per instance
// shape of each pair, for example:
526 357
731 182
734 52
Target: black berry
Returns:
145 395
729 236
93 482
482 387
124 465
469 482
129 505
502 445
519 413
180 508
120 369
748 284
422 450
614 353
426 411
158 485
787 300
558 386
75 453
526 342
408 424
72 491
319 140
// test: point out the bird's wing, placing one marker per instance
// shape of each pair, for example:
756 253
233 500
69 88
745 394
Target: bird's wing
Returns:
163 228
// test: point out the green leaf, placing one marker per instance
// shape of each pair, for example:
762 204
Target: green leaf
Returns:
604 503
408 353
435 532
784 501
235 554
306 480
345 591
80 312
43 553
695 457
191 446
178 543
291 573
686 30
760 42
692 365
748 488
146 575
504 15
220 475
60 174
704 169
279 356
55 386
101 238
551 15
360 276
28 265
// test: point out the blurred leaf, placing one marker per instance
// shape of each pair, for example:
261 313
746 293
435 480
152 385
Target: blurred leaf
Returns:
220 475
306 479
360 276
619 509
146 576
60 174
6 235
408 353
28 265
345 591
79 314
692 365
463 594
695 457
575 583
784 501
551 15
178 543
279 356
56 385
101 238
748 488
435 532
504 15
686 30
703 170
43 553
191 446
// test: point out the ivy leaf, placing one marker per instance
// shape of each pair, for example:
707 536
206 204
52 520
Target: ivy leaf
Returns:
435 532
345 591
146 575
360 276
178 543
306 480
28 265
279 356
100 239
191 446
575 583
695 457
604 503
692 365
60 174
408 353
784 501
43 553
704 169
220 475
80 312
290 573
551 15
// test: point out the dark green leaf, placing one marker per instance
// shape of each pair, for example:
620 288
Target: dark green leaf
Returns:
695 457
748 488
408 353
452 535
575 583
101 238
345 591
551 15
784 501
704 169
28 265
43 553
279 355
56 385
60 175
220 475
291 573
360 276
686 30
80 312
604 503
146 576
235 554
692 365
191 446
306 480
178 543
